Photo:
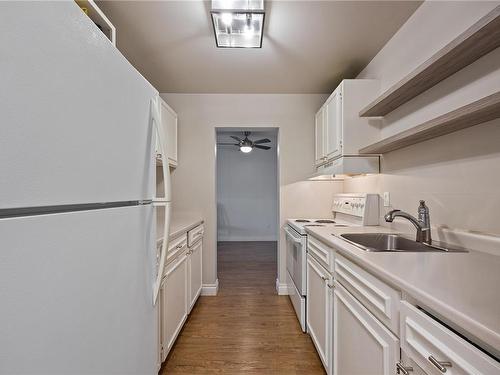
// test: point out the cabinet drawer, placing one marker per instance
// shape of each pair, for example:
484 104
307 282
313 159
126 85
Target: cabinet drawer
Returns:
382 300
427 341
361 343
195 234
176 247
321 252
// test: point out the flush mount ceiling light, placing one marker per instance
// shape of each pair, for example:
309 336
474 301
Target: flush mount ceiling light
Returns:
238 23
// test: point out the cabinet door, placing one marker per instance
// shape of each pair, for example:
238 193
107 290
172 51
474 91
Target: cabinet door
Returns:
319 317
174 302
169 125
162 335
361 344
333 127
195 273
319 137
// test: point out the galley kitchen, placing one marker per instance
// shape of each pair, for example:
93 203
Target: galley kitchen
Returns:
250 187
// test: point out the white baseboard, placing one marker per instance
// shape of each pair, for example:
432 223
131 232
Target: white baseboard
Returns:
281 288
210 289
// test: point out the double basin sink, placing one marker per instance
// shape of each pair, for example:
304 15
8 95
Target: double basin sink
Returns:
388 242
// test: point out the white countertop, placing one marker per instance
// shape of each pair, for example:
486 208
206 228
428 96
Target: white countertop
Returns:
179 224
462 289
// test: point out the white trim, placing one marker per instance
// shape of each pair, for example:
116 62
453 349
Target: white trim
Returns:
210 289
281 288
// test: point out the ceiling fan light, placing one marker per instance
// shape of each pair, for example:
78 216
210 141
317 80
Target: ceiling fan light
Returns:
245 149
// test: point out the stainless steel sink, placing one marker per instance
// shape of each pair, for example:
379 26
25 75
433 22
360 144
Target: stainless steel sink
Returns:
386 242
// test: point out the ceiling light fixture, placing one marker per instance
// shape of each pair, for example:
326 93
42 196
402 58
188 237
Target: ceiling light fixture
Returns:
238 23
246 149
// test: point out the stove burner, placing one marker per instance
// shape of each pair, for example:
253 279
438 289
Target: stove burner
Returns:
314 225
325 221
302 221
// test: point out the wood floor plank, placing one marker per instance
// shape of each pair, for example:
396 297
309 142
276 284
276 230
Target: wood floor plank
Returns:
247 328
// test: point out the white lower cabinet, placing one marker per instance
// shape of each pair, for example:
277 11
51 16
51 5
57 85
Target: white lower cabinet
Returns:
174 302
180 288
407 366
356 323
437 349
195 256
361 343
319 316
159 356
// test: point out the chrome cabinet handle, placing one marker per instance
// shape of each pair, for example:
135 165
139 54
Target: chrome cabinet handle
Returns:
324 278
179 246
401 369
329 286
440 365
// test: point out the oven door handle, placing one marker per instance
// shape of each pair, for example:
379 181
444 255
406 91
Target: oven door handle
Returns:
291 236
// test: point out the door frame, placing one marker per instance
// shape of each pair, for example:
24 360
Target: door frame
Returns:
278 190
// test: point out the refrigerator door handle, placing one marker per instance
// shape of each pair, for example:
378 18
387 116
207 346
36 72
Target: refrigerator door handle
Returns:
166 199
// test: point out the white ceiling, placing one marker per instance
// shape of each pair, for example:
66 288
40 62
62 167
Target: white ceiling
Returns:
308 46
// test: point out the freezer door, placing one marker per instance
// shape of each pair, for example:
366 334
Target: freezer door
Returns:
75 292
75 115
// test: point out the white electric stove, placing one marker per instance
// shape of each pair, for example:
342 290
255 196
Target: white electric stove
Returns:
358 209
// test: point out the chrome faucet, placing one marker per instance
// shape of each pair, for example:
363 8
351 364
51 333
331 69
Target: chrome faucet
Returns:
423 223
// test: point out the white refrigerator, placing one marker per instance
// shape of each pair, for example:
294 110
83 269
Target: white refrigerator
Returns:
79 273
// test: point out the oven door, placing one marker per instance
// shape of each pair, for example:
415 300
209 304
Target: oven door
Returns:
296 258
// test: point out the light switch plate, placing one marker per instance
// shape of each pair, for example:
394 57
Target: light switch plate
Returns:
387 199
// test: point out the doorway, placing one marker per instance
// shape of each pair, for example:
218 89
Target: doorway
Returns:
247 207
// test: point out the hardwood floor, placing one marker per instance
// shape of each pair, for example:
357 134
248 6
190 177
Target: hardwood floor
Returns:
247 328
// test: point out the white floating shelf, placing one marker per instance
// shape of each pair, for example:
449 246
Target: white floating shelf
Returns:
99 18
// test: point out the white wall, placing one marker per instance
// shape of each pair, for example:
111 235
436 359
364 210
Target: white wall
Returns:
193 182
457 174
247 190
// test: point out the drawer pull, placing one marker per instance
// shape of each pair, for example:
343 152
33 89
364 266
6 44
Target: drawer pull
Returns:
324 278
329 286
440 365
179 246
402 369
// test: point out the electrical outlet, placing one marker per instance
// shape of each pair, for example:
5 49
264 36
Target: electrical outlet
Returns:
387 199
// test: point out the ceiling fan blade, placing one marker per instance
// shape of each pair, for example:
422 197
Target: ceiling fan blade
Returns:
262 147
227 144
264 140
236 138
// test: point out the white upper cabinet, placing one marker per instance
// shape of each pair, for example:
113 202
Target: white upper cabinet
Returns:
339 131
169 126
319 131
333 130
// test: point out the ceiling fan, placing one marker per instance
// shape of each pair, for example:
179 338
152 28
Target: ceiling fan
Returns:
246 145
